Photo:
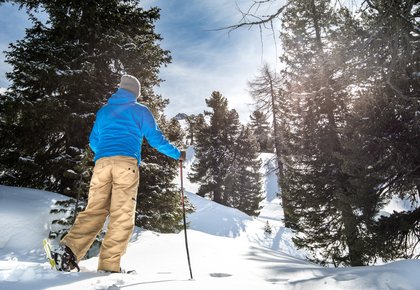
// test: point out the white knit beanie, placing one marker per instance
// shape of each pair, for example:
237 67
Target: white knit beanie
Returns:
130 83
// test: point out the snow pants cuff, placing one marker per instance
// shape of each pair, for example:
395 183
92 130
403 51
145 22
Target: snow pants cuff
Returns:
109 267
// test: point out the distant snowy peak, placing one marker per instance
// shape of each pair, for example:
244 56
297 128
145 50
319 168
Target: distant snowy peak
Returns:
181 116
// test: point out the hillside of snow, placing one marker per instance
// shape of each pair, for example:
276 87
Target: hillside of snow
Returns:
228 249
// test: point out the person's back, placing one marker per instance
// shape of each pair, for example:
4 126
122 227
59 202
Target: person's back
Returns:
120 126
116 131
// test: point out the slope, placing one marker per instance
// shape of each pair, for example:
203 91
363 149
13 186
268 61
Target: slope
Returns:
229 250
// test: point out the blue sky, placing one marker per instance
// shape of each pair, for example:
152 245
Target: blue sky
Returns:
203 60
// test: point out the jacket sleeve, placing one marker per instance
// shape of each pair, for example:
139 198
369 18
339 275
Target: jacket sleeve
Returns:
94 136
155 136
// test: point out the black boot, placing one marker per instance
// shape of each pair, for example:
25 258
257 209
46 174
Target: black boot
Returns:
65 260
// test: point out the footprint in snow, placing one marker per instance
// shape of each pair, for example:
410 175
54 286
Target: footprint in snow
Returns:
220 275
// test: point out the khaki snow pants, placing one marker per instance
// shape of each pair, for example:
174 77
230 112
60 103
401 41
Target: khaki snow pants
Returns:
113 192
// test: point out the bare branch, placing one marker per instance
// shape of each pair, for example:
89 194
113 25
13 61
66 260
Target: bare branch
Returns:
255 20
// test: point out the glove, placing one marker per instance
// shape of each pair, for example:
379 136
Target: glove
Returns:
183 155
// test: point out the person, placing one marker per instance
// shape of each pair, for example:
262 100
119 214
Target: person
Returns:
116 141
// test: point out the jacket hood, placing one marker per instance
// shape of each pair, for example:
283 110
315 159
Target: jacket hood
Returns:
122 96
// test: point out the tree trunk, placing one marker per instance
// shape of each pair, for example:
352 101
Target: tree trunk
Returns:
351 236
278 140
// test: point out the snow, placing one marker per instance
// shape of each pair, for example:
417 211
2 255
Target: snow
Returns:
397 204
228 249
24 221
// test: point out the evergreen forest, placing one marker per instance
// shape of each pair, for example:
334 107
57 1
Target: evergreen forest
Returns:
341 117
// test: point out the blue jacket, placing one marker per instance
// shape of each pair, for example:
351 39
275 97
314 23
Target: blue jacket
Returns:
121 125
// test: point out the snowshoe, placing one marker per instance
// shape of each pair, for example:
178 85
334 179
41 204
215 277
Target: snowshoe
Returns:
61 259
122 271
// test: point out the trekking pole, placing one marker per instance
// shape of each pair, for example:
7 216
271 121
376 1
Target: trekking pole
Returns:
185 222
79 187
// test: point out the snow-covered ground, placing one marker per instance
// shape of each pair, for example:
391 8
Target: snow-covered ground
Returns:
229 250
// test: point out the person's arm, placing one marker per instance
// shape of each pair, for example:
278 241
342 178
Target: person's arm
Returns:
155 136
94 137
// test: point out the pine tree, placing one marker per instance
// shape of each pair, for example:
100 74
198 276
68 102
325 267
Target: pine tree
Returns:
191 130
330 212
215 148
268 93
227 165
267 228
387 119
63 71
243 183
261 130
